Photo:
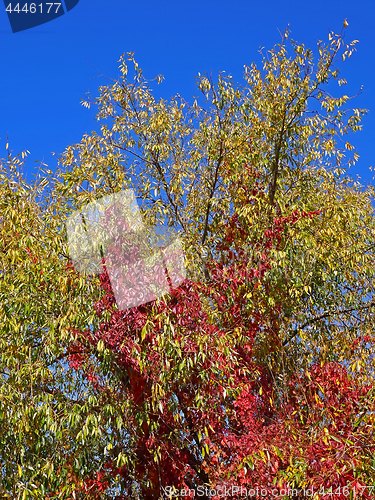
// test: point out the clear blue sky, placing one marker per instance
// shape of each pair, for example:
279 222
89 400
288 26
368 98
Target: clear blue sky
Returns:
47 70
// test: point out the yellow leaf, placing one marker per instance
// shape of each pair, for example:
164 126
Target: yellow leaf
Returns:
346 24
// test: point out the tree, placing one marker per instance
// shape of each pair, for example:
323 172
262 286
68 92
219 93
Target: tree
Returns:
257 371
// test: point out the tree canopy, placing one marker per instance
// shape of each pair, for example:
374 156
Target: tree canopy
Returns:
257 371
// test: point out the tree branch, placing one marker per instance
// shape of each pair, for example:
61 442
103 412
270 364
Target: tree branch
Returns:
324 315
273 185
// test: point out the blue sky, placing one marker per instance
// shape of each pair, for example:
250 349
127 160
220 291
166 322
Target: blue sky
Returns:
46 70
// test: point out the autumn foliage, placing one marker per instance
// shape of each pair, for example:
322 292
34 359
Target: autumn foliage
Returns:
230 429
252 378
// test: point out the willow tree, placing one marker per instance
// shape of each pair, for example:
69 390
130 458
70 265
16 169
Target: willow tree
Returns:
242 375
